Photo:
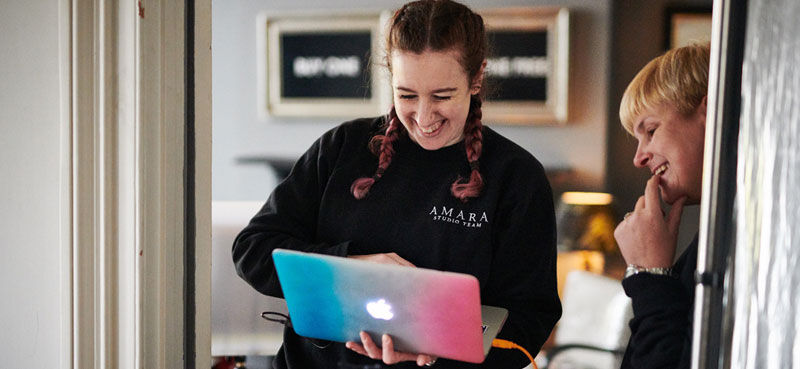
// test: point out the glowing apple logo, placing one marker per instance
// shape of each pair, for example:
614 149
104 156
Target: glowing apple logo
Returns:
380 310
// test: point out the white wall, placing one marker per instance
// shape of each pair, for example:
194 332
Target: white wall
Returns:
29 184
238 130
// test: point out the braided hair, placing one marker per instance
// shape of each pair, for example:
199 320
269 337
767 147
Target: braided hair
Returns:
436 25
473 143
380 145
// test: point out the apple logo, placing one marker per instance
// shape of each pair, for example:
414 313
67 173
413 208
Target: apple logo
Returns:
380 310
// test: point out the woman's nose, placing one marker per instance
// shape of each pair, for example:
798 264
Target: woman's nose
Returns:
641 157
424 112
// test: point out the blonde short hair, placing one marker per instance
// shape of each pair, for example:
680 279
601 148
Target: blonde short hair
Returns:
679 78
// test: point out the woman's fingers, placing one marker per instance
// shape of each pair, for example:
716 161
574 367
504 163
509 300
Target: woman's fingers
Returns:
390 356
423 360
372 350
640 204
652 202
356 347
386 352
387 258
399 260
674 216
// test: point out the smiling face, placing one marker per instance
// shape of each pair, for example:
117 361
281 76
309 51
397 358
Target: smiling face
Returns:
431 96
671 145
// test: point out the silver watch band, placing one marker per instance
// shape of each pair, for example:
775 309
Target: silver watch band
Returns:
633 269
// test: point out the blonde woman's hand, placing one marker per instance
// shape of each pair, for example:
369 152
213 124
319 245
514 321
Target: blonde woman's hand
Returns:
646 237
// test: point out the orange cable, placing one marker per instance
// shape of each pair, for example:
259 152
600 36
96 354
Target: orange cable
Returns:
505 344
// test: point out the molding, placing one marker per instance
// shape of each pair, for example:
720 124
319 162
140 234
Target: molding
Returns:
123 114
127 206
100 299
202 185
83 184
160 125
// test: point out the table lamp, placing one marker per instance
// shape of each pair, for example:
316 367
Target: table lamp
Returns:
585 224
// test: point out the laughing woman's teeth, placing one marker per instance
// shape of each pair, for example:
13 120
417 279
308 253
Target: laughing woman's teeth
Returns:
431 128
661 169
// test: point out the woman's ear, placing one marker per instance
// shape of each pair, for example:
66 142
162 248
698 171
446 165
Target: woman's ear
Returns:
477 82
702 109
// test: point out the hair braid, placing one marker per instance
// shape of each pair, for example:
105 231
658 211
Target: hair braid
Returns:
381 145
473 144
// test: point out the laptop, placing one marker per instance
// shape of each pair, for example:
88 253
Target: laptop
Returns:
425 311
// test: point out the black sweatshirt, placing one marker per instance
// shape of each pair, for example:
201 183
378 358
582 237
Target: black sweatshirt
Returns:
505 237
661 328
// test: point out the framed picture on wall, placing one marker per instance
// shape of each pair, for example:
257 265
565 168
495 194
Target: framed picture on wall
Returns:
687 25
527 73
321 65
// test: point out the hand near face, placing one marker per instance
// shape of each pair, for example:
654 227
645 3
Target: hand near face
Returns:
646 237
386 352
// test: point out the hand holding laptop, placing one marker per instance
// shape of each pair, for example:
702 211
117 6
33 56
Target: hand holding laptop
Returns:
386 258
386 352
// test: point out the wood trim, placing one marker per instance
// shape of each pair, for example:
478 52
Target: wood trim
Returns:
202 185
160 63
127 205
123 128
97 245
107 212
83 183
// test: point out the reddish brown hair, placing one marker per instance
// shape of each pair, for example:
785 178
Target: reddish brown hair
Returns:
436 25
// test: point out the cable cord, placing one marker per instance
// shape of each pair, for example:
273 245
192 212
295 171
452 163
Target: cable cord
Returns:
505 344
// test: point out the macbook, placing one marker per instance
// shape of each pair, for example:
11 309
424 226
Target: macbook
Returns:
425 311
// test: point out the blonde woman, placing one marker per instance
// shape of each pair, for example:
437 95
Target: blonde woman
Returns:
664 108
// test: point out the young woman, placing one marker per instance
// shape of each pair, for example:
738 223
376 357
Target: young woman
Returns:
664 107
428 186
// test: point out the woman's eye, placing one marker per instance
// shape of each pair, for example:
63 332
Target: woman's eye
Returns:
407 97
441 98
651 131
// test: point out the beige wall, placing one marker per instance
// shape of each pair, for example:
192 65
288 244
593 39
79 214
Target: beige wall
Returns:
29 185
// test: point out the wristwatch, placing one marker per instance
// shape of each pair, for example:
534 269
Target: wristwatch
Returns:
633 269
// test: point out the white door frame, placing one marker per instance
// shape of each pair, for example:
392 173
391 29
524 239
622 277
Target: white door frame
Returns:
124 78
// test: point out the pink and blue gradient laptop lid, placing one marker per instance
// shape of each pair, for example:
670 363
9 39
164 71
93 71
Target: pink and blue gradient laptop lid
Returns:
425 311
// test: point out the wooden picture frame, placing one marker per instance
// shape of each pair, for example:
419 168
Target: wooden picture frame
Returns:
321 65
527 73
685 25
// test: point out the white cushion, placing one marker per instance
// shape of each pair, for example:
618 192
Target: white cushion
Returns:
596 312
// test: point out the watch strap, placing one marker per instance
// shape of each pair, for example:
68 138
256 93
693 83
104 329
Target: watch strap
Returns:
634 269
